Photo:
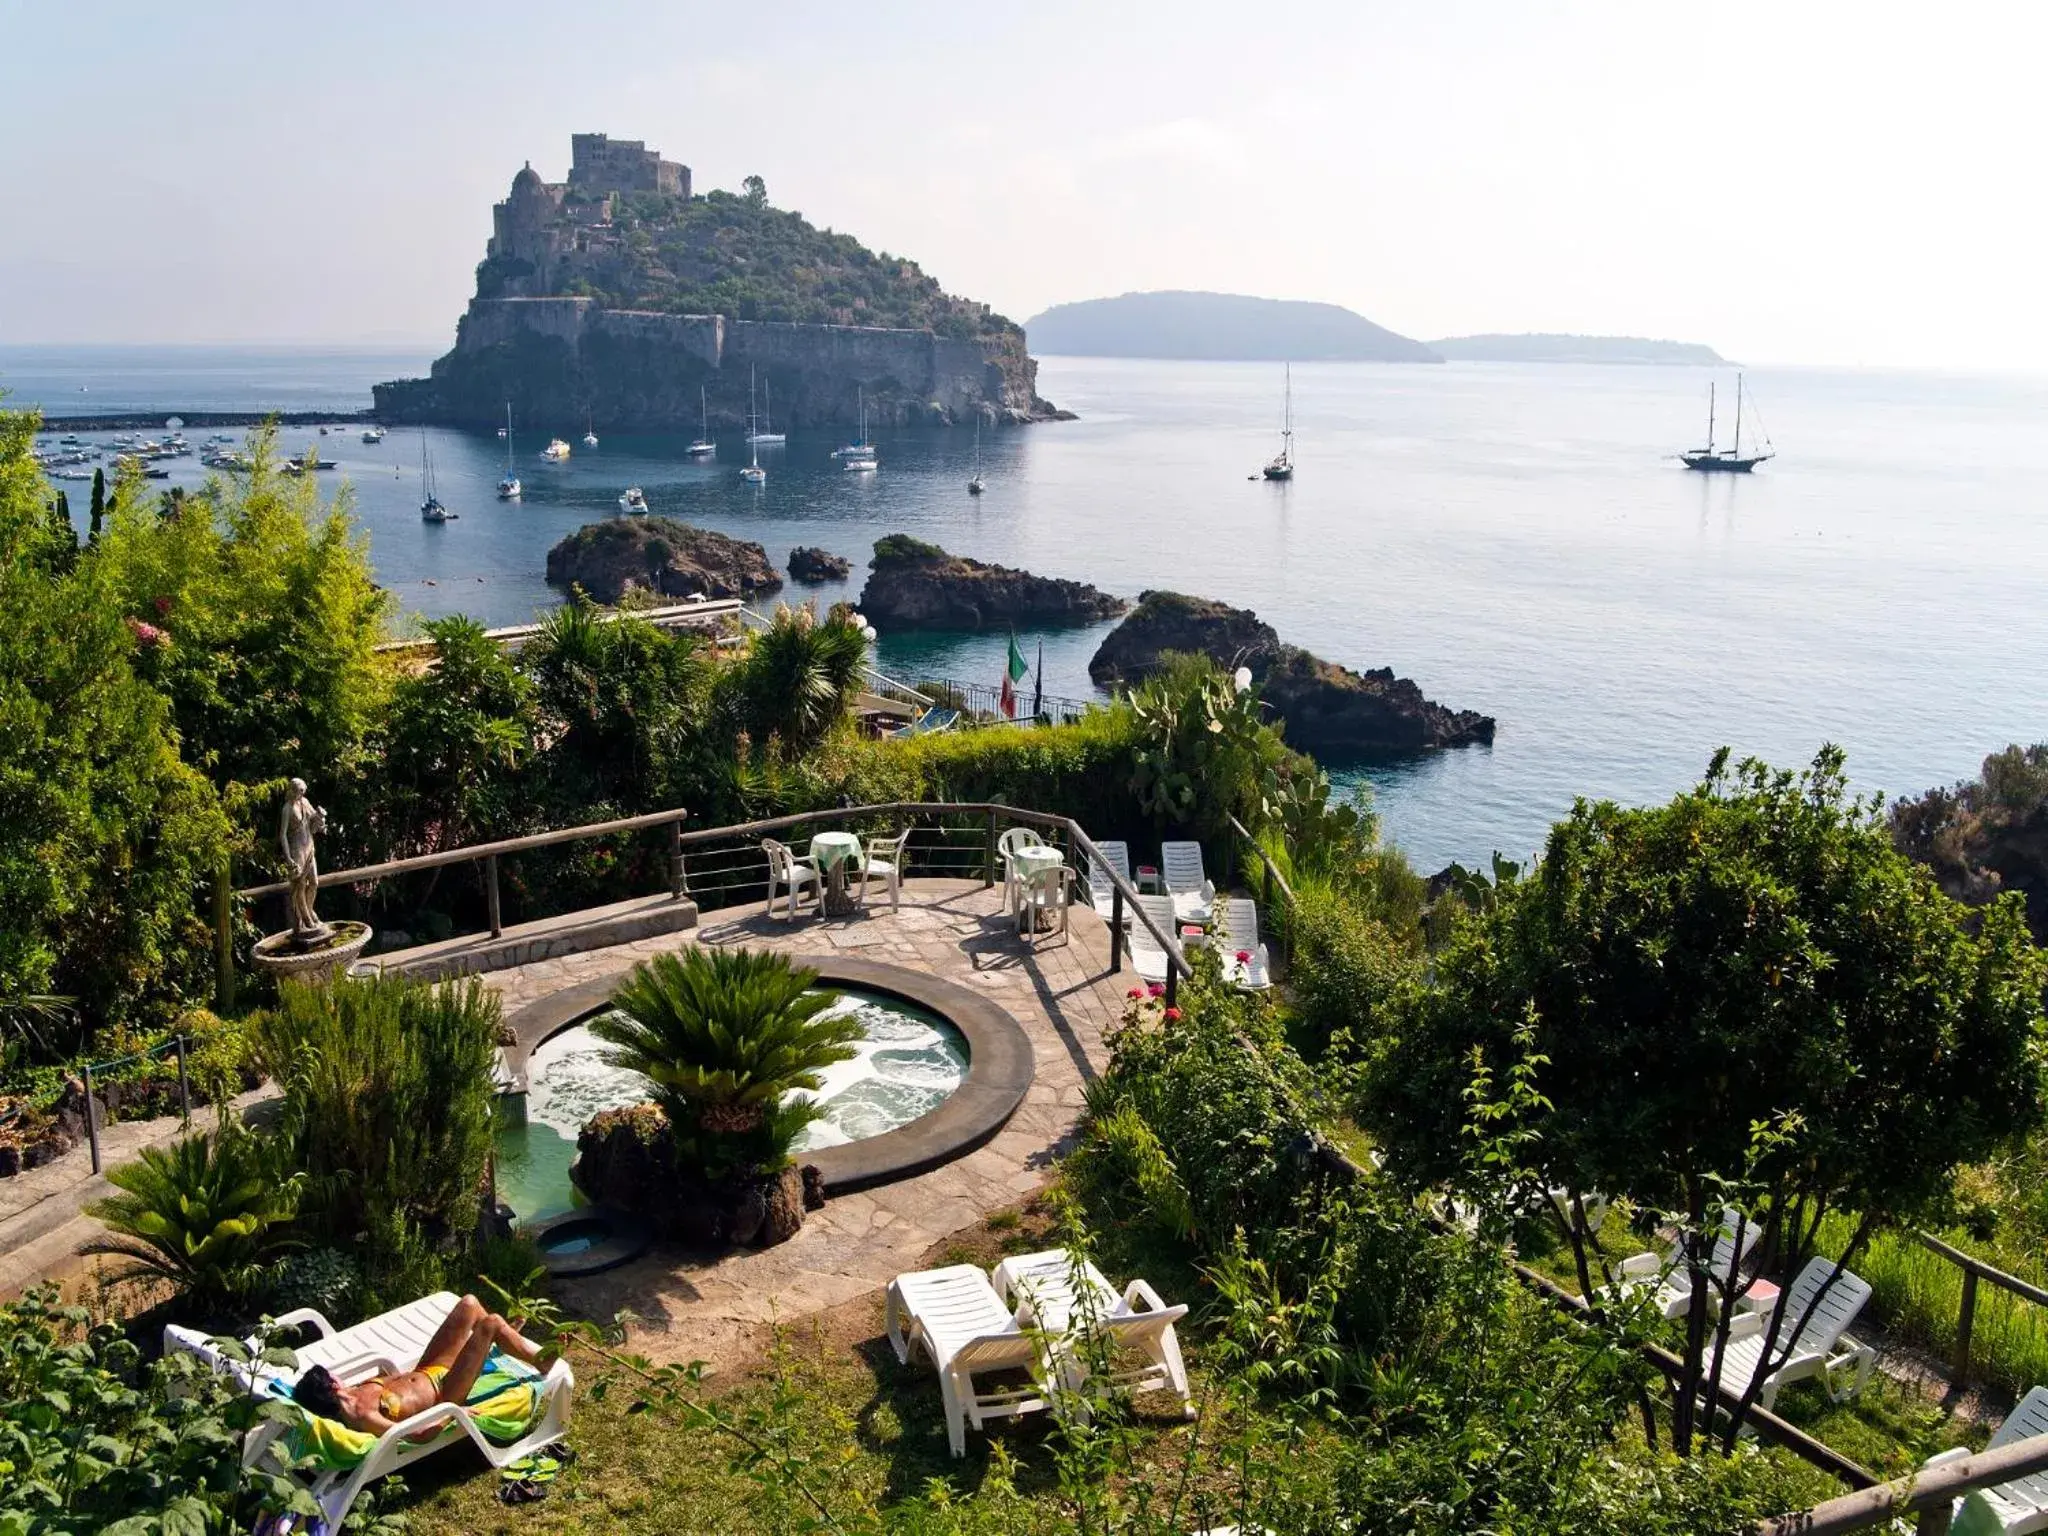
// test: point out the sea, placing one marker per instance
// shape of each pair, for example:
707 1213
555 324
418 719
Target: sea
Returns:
1518 538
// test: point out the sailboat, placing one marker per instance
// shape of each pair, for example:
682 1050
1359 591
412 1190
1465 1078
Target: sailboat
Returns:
1281 465
753 474
764 429
703 448
589 432
431 509
1708 461
974 486
508 488
860 453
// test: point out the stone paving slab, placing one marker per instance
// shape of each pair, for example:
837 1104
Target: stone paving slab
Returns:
1060 992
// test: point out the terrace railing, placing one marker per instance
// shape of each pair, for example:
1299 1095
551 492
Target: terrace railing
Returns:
723 866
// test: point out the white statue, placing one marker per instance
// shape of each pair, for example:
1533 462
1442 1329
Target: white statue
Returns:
301 821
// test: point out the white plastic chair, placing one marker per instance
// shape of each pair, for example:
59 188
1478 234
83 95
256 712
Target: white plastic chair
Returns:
1824 1346
1007 845
386 1344
1148 957
1063 1296
884 862
1044 890
2020 1506
1112 855
1241 936
792 872
1180 871
1668 1272
957 1318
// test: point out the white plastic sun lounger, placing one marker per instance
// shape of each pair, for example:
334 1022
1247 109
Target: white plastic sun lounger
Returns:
1668 1272
1241 937
957 1318
1180 871
1066 1297
1823 1347
1148 956
386 1344
2020 1506
1115 856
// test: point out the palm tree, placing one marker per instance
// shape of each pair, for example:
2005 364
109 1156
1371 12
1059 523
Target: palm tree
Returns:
203 1216
723 1036
799 673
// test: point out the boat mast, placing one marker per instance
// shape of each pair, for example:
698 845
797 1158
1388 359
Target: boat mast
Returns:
753 422
1710 416
1287 424
1738 416
703 415
508 439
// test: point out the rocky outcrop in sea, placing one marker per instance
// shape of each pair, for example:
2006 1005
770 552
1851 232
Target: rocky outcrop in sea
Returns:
1329 710
660 556
915 585
808 563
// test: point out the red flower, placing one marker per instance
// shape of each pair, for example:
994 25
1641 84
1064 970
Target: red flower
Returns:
1156 990
163 607
1173 1015
1243 956
1135 992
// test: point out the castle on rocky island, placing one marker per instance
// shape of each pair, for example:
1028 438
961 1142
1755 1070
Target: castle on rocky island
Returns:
581 311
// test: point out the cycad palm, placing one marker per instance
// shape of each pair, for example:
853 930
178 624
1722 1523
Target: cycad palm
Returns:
722 1035
203 1216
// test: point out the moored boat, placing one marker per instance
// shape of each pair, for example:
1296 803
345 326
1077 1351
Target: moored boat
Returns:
633 500
1281 465
1709 460
556 452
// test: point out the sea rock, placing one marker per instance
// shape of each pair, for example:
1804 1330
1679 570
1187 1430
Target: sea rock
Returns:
660 556
915 585
1330 711
808 563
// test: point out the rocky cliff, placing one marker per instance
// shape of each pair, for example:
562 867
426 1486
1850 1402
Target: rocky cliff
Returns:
1330 711
660 556
619 304
808 563
914 585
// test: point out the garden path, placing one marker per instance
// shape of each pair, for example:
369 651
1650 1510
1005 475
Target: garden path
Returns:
1061 993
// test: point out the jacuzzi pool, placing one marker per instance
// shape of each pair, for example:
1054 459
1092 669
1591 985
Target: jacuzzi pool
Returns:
909 1063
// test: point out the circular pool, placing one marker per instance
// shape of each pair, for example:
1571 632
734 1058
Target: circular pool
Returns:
910 1060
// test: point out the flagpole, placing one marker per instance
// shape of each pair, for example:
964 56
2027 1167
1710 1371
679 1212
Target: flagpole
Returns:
1038 685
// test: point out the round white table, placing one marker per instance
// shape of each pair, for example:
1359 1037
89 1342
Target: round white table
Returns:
1030 861
837 856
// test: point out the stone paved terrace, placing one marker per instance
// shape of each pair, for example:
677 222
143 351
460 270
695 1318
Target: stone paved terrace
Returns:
1063 995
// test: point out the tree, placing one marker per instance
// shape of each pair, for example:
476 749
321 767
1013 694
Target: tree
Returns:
756 190
1205 751
99 502
1748 995
106 837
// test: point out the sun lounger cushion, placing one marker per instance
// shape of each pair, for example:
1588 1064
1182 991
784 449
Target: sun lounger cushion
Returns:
503 1402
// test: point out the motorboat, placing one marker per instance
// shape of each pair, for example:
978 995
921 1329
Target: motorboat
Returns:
556 452
633 500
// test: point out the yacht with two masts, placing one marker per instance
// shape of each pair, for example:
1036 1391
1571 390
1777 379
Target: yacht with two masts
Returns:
1709 460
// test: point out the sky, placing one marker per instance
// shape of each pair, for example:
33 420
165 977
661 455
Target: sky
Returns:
1788 182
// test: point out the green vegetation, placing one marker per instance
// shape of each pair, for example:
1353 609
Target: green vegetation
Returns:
387 1110
722 1036
738 255
1986 835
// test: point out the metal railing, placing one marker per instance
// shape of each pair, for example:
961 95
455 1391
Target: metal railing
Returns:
175 1045
1272 881
711 611
724 866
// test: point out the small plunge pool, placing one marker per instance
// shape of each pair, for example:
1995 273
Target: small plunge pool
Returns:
910 1061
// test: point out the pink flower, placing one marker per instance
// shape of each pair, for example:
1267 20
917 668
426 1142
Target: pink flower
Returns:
1173 1015
146 635
1135 992
1156 990
1243 956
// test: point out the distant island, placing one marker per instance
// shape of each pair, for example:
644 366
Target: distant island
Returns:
1221 327
615 297
1538 347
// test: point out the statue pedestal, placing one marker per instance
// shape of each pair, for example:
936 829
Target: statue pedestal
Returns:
282 956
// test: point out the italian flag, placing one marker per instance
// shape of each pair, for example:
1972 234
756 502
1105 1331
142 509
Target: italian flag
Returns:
1013 674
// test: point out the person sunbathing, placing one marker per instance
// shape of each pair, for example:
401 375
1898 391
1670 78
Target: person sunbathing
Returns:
448 1367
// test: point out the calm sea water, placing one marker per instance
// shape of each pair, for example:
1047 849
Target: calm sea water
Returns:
1512 537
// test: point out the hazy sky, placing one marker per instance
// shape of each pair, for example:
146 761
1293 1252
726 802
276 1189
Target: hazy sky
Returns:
1789 182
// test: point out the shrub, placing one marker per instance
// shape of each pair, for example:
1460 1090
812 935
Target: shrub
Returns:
388 1099
1349 976
326 1279
722 1036
205 1216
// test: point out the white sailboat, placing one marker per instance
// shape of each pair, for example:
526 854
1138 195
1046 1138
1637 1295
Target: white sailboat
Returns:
1281 465
589 432
859 455
753 474
763 431
703 448
975 486
508 488
431 510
